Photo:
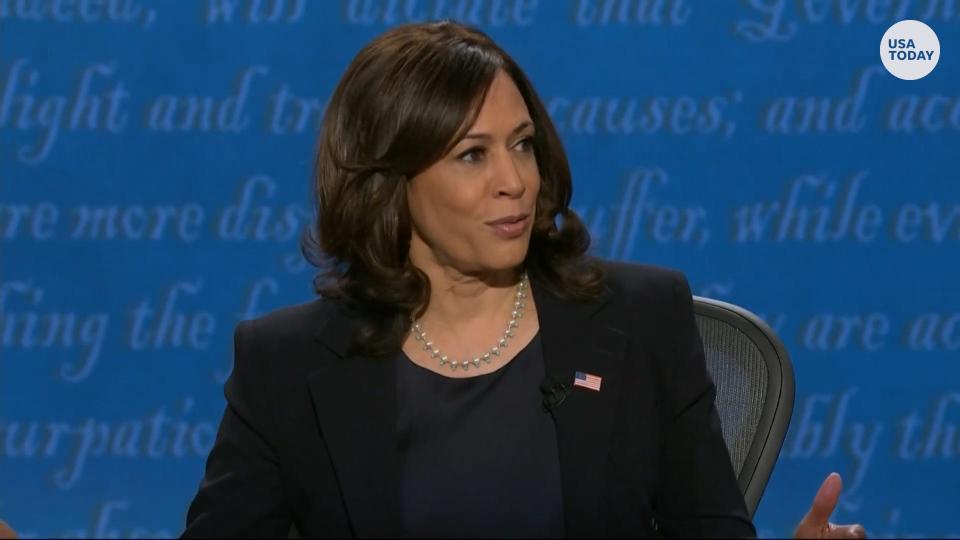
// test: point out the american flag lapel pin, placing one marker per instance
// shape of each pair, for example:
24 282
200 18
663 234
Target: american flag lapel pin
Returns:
587 380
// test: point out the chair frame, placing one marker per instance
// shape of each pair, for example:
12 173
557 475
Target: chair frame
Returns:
778 405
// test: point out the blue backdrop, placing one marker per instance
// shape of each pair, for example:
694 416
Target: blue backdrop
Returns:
154 169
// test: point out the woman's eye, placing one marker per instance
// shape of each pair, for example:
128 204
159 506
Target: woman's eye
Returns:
528 144
474 154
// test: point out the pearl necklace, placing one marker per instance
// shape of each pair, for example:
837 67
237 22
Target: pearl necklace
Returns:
515 315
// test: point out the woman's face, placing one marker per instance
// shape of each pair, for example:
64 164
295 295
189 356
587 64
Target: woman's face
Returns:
473 210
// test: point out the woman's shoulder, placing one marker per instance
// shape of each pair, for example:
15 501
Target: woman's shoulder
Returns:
280 347
287 331
636 282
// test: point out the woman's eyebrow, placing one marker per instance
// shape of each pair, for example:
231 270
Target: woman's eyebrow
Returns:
520 127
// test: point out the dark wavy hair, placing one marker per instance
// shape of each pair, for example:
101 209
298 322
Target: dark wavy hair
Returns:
404 102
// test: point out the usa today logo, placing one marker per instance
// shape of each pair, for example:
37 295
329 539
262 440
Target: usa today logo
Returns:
910 50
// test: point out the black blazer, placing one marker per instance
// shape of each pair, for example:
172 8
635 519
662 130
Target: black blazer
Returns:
308 437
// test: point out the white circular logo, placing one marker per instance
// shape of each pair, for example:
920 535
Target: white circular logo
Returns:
910 50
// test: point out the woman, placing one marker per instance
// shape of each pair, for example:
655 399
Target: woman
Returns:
468 371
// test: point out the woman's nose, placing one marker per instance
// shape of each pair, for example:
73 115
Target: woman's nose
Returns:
509 177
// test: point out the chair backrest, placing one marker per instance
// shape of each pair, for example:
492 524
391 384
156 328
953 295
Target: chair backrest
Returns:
755 389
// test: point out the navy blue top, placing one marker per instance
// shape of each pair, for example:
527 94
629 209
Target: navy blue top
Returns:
478 454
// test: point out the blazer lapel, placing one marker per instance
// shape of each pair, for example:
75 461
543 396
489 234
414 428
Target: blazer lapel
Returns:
576 337
354 399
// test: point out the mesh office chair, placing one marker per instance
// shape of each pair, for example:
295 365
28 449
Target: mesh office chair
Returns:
755 389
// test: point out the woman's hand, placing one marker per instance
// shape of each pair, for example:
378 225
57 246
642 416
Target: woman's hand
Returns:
6 532
816 523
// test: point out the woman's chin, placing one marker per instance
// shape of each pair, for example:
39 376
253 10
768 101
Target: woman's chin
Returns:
506 260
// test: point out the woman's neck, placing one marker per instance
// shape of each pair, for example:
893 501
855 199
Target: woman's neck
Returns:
458 299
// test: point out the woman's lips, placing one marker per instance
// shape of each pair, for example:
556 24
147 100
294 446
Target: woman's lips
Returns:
510 227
